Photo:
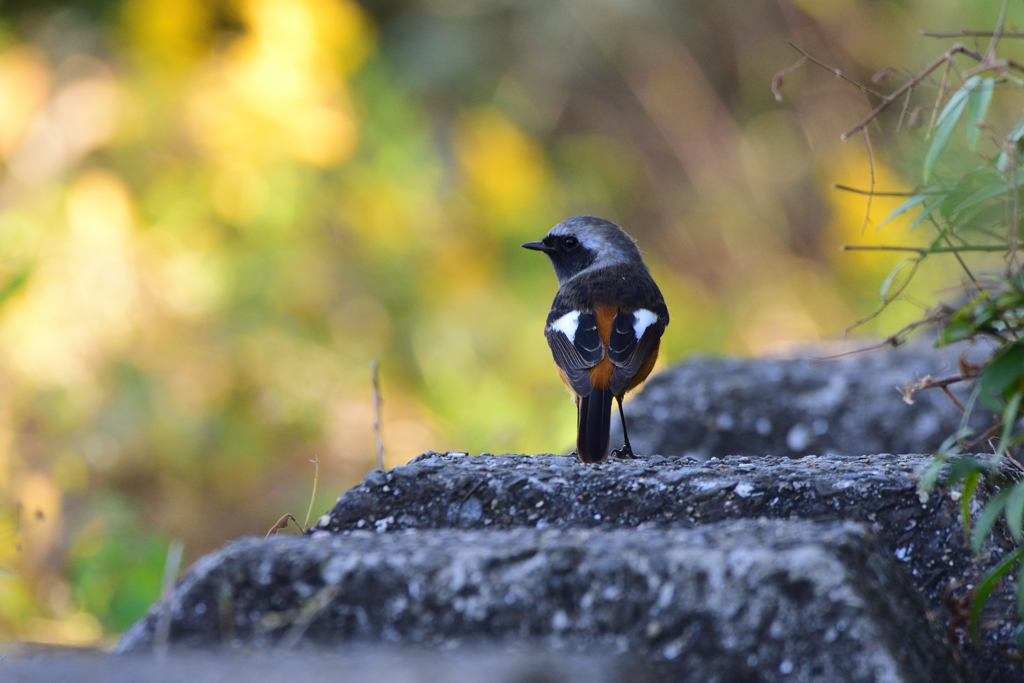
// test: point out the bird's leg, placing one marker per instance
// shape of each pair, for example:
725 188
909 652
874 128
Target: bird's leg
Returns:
626 451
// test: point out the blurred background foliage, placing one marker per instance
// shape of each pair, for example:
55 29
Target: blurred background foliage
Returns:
213 215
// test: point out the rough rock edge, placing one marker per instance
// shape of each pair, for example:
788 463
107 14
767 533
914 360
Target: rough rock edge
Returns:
709 407
548 491
721 601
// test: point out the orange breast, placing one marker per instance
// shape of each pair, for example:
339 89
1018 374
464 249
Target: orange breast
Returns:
601 374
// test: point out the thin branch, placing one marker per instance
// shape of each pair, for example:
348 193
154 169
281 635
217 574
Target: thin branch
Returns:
282 524
990 54
375 381
923 251
871 171
938 99
307 613
945 58
837 72
855 190
780 77
951 397
312 498
965 33
172 564
903 112
894 340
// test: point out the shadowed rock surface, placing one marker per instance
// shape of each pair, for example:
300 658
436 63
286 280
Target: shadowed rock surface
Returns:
353 665
716 407
769 601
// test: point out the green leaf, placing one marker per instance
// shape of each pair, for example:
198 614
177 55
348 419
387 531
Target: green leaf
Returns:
928 474
970 483
1004 370
887 283
977 108
903 208
1012 139
987 519
986 191
946 124
986 587
1009 420
962 467
927 209
1015 511
1020 595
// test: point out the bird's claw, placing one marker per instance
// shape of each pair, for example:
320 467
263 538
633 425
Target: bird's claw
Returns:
626 453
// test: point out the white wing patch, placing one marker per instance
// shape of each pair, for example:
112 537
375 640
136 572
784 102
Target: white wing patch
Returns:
567 325
644 319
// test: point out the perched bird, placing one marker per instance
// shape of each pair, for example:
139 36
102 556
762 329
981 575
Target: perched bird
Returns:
605 325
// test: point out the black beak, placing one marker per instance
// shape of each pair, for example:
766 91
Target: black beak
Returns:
536 246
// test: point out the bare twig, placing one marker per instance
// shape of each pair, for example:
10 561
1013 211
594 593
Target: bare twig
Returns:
965 33
990 54
282 524
312 498
855 190
307 613
938 99
923 250
838 72
903 112
375 382
780 77
871 171
163 622
951 397
929 382
945 58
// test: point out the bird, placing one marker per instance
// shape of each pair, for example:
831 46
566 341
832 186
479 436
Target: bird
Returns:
605 324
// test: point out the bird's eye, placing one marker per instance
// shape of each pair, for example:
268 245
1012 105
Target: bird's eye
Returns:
570 242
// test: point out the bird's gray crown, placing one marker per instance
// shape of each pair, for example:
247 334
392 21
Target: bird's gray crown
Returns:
609 243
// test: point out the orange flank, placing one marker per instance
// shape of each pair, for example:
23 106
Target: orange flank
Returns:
601 374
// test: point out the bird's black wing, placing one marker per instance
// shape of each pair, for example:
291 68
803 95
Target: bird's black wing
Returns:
629 352
575 345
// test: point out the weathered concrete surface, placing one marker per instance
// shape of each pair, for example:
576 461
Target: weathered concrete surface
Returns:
379 664
767 600
437 491
717 407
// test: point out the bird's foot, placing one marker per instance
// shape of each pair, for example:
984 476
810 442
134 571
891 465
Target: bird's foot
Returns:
626 453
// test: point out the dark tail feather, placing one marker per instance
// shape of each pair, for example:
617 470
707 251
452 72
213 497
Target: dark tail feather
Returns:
594 427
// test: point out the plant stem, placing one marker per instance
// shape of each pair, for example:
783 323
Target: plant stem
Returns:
924 251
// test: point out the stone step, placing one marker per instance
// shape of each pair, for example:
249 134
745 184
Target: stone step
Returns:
376 664
437 491
749 600
711 407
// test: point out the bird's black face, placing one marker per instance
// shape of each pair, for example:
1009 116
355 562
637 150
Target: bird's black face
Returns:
567 254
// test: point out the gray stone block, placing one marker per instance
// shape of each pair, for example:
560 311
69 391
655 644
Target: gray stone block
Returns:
751 600
437 491
716 407
378 664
